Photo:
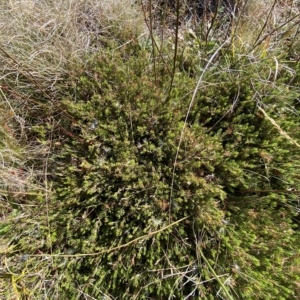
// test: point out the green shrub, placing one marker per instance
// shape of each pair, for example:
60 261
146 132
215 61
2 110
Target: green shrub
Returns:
146 199
116 182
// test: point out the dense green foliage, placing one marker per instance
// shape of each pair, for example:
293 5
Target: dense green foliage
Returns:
115 181
150 200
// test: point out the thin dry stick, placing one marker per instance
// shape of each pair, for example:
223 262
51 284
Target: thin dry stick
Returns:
282 132
47 192
19 193
150 27
154 44
176 47
114 248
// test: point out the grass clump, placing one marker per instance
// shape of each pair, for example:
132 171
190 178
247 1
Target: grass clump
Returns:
164 167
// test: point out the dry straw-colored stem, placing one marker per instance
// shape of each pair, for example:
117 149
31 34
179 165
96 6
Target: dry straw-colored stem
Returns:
152 233
282 132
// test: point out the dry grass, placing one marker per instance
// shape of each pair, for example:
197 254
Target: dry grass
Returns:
38 41
41 37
